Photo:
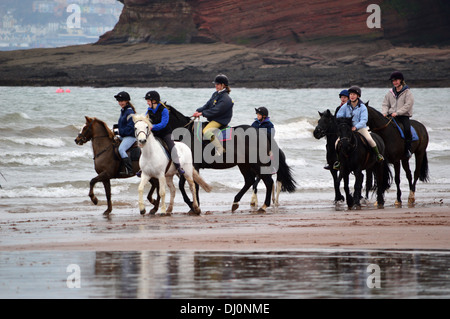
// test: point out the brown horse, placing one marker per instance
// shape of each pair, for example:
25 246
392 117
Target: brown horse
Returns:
107 162
395 151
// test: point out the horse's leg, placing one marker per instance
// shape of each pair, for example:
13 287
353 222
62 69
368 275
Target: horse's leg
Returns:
249 178
107 186
268 181
276 201
186 198
398 202
162 194
144 180
337 182
169 181
369 182
348 195
407 169
155 202
102 177
379 170
359 177
254 200
193 187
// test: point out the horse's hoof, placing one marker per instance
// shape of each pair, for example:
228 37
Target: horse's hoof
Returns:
252 204
106 212
380 206
234 207
398 204
261 211
142 212
94 200
357 207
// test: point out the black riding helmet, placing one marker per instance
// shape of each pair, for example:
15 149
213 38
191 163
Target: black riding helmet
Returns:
221 79
152 95
263 111
355 89
122 96
397 75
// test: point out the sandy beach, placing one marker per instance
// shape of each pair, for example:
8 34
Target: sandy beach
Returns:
285 228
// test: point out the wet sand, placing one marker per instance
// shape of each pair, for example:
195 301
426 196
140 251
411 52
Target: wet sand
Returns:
287 227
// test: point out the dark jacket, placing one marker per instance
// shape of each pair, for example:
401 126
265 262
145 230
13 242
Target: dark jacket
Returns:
160 120
267 124
125 123
219 108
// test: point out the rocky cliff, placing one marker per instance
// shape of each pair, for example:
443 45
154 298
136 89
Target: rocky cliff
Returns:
282 23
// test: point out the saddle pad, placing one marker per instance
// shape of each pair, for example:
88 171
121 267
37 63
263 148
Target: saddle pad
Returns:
414 135
226 134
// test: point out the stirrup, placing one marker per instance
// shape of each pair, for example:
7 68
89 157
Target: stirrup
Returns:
337 165
380 158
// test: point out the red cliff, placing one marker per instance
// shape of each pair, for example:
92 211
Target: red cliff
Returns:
285 23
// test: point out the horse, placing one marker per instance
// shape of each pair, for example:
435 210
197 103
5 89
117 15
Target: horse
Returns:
239 152
155 163
107 162
326 127
395 151
355 156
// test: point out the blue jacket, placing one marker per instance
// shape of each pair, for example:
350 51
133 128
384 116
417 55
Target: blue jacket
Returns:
219 108
160 120
359 114
125 123
265 123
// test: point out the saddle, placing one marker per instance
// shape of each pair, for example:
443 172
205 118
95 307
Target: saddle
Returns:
134 152
414 135
225 132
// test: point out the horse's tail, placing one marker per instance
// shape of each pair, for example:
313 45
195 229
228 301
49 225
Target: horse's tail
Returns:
199 180
423 176
284 175
387 176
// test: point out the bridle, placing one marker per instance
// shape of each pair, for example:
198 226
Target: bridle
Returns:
147 132
383 127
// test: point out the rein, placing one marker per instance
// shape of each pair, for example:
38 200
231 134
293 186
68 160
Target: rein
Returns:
383 127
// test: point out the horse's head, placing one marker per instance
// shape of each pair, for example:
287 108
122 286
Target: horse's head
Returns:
345 133
86 132
324 125
142 128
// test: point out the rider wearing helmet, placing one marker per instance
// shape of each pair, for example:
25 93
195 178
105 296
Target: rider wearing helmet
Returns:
398 103
126 130
263 121
159 116
356 110
218 110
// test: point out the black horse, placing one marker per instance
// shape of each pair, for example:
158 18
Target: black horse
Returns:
241 149
326 127
356 155
395 151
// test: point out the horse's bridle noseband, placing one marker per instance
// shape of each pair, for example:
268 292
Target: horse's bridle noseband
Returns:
146 133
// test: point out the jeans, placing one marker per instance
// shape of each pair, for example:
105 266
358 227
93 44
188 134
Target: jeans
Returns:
126 143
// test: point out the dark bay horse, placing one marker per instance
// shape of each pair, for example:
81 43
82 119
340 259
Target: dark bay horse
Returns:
356 155
107 162
395 151
240 151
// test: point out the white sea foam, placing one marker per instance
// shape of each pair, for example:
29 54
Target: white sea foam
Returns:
35 141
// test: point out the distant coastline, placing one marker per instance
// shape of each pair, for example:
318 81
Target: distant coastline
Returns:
193 65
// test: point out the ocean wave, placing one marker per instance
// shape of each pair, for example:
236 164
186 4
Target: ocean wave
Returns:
44 159
35 141
300 128
14 117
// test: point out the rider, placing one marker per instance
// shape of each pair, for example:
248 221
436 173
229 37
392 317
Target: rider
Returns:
358 112
159 116
398 103
218 110
263 121
126 130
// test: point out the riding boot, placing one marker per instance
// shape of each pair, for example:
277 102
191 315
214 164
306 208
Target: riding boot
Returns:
380 157
408 153
179 168
128 167
219 148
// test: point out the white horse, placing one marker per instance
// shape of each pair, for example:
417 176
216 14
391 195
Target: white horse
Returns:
155 163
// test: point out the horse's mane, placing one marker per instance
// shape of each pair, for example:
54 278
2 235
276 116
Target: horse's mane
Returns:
142 117
177 114
110 133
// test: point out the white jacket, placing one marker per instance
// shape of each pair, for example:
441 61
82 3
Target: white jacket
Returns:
401 104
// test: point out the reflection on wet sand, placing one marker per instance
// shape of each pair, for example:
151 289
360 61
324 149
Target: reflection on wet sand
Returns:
288 274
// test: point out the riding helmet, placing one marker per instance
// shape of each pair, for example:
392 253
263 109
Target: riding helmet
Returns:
263 111
355 89
152 95
344 93
122 96
397 75
221 79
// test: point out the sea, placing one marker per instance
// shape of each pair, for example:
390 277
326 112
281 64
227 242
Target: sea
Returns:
43 170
